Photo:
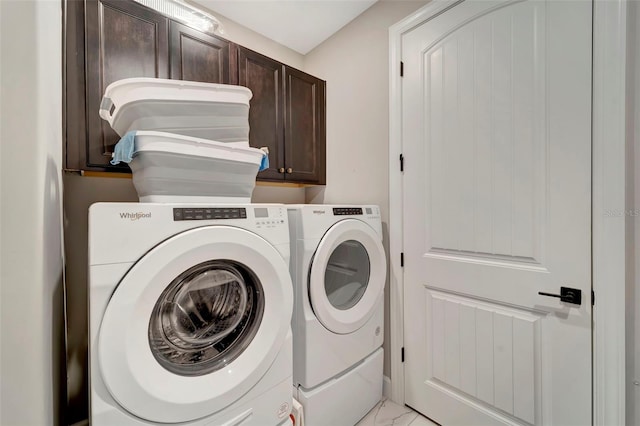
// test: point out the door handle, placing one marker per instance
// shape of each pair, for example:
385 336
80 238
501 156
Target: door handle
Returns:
567 294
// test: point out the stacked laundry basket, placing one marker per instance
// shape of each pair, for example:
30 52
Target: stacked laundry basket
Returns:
184 141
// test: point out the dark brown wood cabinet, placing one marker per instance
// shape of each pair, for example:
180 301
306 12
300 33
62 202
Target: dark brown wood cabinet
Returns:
122 39
287 116
108 40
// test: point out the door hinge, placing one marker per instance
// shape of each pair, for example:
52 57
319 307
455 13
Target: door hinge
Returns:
401 69
593 298
401 163
402 259
402 354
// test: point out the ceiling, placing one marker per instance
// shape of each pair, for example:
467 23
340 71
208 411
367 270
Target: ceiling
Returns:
300 25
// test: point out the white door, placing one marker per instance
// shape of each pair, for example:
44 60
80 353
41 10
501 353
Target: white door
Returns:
496 198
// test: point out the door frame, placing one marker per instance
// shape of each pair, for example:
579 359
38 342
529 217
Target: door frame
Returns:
608 194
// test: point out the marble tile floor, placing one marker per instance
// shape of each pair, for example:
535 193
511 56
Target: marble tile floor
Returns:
388 413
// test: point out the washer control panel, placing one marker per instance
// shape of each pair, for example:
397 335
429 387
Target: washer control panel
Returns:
269 218
263 217
209 213
347 211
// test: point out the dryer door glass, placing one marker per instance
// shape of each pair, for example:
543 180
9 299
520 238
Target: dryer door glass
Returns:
206 317
347 274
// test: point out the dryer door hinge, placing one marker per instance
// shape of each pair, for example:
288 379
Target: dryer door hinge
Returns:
402 354
401 163
401 69
402 259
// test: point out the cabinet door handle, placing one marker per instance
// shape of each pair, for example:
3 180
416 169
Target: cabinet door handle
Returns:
281 170
289 170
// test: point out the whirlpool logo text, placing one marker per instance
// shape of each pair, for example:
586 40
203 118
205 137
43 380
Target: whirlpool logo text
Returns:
135 216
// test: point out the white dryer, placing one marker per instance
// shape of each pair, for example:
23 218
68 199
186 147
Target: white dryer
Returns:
190 310
338 265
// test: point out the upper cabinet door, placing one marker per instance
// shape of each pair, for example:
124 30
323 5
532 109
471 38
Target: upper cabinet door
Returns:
197 56
123 39
304 127
263 76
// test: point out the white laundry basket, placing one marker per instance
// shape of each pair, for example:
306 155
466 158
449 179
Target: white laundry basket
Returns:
218 112
175 168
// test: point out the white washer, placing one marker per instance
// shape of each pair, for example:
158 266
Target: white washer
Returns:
190 310
338 265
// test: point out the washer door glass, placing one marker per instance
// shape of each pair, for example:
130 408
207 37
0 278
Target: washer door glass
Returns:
206 317
347 274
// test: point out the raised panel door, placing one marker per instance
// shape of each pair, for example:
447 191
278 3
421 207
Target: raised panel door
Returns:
304 127
496 109
263 76
123 40
196 56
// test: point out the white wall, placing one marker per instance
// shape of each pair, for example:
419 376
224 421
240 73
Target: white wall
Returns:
355 64
251 39
31 330
633 219
81 192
